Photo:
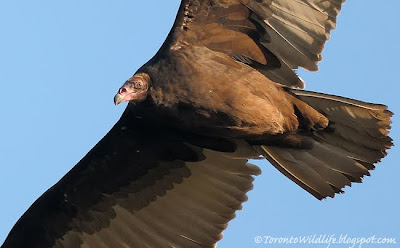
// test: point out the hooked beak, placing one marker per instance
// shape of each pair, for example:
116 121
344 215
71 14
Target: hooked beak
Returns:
118 98
128 93
122 95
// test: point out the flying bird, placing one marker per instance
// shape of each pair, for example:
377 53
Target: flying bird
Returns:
221 90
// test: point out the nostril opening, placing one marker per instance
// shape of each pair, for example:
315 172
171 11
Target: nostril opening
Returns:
122 90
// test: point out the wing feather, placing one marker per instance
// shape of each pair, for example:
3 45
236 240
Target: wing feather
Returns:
143 185
275 37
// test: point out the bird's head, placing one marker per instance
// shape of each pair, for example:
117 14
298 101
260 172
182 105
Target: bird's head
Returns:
134 89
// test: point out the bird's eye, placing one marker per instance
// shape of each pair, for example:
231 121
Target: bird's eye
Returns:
138 85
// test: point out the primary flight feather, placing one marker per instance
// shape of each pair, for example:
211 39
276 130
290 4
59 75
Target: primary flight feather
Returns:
221 90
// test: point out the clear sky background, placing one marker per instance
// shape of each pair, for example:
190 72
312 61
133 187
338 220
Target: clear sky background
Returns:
61 62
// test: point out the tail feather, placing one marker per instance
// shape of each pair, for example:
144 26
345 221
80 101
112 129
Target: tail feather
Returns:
353 119
358 127
356 138
362 150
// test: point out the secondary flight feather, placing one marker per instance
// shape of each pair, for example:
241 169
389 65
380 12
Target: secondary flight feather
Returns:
221 90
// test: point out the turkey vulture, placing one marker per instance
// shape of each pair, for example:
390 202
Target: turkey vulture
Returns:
221 90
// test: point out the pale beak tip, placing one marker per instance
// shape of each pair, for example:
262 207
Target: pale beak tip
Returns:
117 99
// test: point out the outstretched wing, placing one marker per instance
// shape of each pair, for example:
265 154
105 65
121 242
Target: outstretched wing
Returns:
142 186
273 36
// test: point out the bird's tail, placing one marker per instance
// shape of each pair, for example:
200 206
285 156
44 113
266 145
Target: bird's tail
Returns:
356 138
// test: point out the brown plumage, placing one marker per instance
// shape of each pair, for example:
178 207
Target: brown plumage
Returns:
220 91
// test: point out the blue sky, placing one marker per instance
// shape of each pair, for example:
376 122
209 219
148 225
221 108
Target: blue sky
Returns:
61 62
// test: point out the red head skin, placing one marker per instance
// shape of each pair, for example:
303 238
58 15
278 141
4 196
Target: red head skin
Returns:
134 89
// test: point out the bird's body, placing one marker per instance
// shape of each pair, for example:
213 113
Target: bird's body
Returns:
210 93
220 91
